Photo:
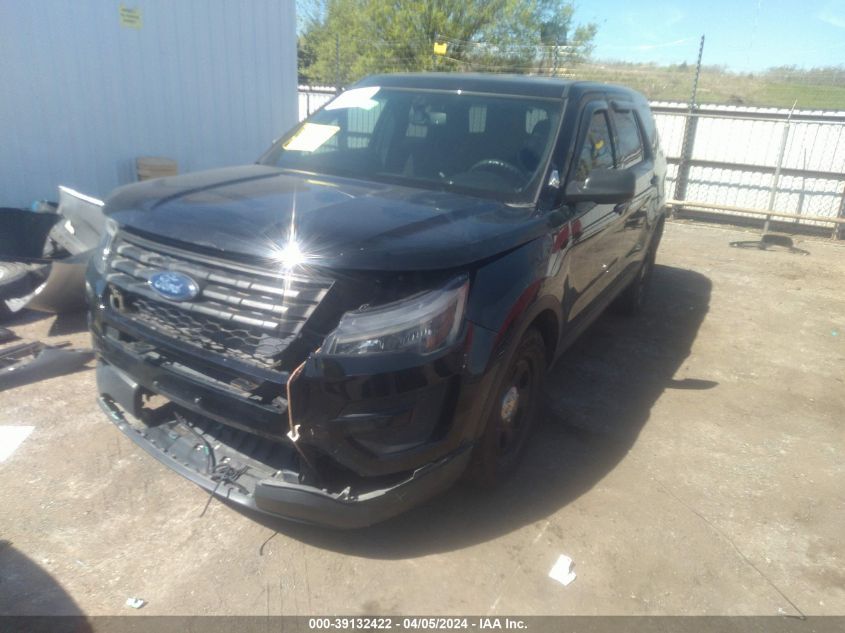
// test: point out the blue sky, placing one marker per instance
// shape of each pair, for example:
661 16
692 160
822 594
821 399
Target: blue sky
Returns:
745 35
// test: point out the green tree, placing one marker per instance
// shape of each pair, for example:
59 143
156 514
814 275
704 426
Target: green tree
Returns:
563 46
305 58
347 39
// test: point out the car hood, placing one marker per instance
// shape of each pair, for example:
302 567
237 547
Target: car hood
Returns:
337 223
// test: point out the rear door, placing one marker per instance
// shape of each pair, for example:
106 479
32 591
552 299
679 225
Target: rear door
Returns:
635 154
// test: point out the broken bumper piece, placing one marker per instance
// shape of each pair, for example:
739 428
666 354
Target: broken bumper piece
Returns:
223 461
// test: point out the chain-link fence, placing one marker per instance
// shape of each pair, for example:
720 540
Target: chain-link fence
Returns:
751 162
740 162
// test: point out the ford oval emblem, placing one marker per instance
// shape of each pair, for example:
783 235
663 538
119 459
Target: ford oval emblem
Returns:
174 286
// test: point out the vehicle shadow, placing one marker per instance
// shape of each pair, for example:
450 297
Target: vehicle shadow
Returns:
30 598
598 398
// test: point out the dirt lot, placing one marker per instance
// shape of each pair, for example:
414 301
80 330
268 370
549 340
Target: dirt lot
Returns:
690 461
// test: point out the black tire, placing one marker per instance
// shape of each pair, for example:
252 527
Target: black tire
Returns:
631 301
498 452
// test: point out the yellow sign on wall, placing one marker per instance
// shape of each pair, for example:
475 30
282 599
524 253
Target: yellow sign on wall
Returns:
130 18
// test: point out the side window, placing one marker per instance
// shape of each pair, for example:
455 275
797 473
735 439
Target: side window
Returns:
597 150
630 139
648 128
477 119
423 116
416 130
532 117
361 124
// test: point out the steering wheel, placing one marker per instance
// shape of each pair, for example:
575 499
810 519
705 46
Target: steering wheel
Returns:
500 165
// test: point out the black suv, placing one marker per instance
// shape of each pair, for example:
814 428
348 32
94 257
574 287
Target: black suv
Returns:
343 329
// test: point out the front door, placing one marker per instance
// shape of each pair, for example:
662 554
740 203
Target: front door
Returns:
596 227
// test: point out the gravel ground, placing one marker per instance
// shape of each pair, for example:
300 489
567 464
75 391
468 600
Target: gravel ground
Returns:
690 461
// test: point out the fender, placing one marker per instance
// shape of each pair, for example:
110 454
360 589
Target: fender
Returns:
491 353
508 294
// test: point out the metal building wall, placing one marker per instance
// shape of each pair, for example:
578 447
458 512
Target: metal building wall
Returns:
206 82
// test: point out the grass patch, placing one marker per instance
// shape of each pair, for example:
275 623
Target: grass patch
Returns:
821 89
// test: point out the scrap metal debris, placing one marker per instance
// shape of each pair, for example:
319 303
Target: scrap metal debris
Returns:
562 570
30 362
44 253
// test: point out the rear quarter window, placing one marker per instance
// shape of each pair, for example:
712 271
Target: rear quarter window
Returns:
629 137
649 127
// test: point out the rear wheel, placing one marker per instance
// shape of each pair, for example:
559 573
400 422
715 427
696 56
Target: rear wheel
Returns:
501 446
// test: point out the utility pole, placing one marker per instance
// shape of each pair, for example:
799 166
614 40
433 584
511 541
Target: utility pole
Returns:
689 133
694 96
337 62
773 192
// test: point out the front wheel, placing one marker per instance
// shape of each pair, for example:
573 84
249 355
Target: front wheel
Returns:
509 422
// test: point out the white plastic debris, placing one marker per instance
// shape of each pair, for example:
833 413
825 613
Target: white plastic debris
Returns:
562 570
11 437
135 603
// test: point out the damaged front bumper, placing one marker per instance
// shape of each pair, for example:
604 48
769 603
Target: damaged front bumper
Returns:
374 436
264 476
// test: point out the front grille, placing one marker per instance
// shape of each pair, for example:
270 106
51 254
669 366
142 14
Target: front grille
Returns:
241 311
243 342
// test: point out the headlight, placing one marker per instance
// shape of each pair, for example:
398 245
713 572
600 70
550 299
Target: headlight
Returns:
424 323
103 250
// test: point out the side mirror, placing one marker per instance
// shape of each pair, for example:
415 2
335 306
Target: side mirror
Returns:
604 186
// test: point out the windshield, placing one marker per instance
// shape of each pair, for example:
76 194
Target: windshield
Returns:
485 145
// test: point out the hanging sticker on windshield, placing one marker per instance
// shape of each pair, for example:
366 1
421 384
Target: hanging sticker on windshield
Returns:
311 136
355 98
